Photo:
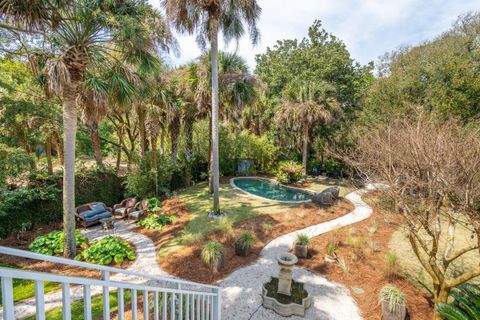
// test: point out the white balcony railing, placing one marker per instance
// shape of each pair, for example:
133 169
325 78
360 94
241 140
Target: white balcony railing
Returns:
164 298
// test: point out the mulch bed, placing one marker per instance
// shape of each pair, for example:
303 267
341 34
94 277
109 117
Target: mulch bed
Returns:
186 262
367 270
169 207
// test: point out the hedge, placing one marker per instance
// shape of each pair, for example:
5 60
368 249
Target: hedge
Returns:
41 201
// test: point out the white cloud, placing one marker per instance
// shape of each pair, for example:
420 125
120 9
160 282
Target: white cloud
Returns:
369 28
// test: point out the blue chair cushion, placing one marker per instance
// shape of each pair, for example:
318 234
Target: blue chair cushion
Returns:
96 217
88 213
98 208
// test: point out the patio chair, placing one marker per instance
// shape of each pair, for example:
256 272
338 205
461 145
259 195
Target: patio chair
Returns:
120 210
138 212
91 213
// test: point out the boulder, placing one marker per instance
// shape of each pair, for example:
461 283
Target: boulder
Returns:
327 197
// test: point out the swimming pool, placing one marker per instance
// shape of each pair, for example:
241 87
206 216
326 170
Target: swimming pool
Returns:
270 189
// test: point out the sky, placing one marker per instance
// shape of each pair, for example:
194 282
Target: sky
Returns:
369 28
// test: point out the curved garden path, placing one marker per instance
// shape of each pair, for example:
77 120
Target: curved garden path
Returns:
241 290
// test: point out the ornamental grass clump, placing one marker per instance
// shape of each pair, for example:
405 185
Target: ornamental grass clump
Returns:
391 265
213 255
245 243
393 303
52 243
108 250
301 245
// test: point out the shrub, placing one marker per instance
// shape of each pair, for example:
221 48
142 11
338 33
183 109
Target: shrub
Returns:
156 221
246 240
465 304
391 265
393 296
145 182
107 250
289 172
153 203
226 226
302 239
52 243
331 248
212 252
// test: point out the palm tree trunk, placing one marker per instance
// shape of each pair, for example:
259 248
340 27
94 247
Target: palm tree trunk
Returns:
48 151
305 150
162 140
95 138
143 131
215 165
210 156
119 159
174 141
69 139
153 142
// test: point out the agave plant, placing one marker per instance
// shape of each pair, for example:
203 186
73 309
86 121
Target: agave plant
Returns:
466 304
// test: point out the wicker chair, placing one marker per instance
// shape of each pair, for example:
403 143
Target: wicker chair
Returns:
120 210
91 220
138 212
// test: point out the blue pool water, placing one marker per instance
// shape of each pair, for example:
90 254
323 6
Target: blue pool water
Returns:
268 189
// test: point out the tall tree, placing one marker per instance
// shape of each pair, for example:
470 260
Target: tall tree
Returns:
76 36
307 105
207 18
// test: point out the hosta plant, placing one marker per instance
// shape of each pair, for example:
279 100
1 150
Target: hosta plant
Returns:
465 306
107 250
52 243
156 221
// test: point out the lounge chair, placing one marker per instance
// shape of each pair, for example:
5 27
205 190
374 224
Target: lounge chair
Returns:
120 210
91 213
138 212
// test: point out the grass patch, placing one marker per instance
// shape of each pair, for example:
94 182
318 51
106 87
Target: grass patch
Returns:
24 289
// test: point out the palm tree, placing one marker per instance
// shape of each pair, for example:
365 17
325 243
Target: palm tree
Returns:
207 18
306 106
81 35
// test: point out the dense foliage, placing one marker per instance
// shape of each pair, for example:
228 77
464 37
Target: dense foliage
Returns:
107 250
465 304
53 243
289 172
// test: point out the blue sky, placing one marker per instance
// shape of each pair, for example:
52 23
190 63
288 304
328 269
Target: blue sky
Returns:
369 28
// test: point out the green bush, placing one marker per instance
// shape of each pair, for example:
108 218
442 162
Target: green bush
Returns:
107 250
289 172
52 243
145 182
465 304
302 239
156 221
246 240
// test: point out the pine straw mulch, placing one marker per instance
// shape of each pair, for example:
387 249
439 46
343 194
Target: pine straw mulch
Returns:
44 266
170 207
367 268
186 263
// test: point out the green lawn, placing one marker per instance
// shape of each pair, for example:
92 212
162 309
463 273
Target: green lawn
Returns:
238 206
97 307
24 289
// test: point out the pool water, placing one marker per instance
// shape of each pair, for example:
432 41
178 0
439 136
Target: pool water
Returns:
269 189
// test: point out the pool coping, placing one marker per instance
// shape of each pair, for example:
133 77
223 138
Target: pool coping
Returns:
307 191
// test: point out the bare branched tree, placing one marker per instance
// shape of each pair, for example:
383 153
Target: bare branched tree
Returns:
433 174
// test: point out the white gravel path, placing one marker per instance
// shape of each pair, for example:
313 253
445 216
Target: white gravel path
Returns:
241 293
241 290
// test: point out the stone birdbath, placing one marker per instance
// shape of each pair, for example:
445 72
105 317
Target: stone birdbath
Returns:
284 295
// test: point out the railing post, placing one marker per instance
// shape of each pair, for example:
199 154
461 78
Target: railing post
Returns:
39 300
66 307
7 296
87 302
217 304
106 296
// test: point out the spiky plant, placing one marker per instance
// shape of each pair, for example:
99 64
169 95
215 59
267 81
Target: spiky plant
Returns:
393 296
246 240
465 306
302 239
212 252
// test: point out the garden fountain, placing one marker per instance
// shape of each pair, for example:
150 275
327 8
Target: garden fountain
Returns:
284 295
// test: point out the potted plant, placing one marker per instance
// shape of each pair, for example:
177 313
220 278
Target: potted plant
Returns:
331 255
393 303
301 245
213 255
244 243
